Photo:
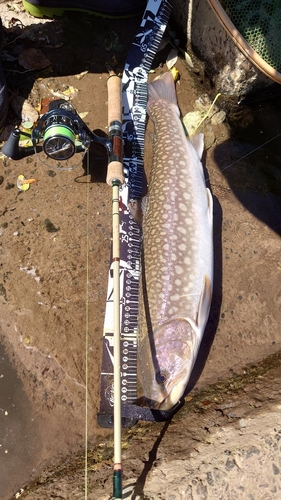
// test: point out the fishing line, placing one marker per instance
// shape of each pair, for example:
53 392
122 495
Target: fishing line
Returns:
87 328
248 154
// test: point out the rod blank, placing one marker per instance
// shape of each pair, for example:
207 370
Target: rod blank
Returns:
115 178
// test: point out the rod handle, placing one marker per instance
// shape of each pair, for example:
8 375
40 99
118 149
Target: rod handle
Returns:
115 165
114 98
115 173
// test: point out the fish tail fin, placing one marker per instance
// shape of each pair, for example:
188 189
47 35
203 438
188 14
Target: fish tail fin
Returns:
163 88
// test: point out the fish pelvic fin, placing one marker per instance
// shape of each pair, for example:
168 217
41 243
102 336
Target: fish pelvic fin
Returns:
197 141
163 88
210 204
203 309
138 209
205 303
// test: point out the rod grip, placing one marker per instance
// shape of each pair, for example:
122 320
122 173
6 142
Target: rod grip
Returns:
115 165
115 173
114 99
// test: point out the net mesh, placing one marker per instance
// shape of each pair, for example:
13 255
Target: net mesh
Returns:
259 22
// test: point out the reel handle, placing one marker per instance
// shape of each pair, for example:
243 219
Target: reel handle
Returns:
115 165
11 148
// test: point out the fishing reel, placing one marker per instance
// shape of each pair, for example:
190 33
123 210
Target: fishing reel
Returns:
61 131
57 138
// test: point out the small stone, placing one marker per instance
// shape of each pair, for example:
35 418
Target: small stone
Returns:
276 470
253 450
242 423
51 228
51 173
229 464
218 118
209 478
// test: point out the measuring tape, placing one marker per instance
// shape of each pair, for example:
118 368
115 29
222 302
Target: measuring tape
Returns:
134 100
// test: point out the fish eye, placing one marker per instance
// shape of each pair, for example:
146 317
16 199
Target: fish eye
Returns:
160 377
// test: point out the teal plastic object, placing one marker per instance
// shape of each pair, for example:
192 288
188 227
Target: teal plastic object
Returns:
107 8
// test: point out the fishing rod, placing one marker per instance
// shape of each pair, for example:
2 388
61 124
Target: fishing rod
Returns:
115 178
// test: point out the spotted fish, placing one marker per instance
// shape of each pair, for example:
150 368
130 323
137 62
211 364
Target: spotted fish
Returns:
177 268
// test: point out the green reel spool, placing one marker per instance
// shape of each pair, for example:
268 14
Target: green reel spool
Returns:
59 142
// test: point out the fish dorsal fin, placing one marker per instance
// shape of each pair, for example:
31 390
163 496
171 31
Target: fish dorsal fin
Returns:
203 308
198 142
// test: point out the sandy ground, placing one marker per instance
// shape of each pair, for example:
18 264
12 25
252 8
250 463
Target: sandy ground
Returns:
55 248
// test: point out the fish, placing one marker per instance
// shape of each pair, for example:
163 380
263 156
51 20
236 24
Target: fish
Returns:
176 280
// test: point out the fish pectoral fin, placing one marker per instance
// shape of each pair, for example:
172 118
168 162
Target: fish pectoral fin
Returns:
210 204
136 210
144 205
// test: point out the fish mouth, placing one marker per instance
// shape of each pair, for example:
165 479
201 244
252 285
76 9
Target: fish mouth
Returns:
167 393
166 405
155 404
169 401
152 404
175 396
146 402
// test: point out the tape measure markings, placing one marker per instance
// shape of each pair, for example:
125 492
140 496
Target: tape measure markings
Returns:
134 100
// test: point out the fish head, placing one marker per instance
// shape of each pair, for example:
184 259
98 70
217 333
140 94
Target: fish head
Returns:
166 363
